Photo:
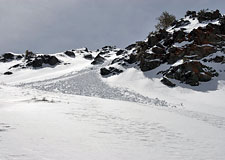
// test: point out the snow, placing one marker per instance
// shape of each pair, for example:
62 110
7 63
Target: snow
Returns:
178 63
29 75
70 112
182 44
91 128
204 98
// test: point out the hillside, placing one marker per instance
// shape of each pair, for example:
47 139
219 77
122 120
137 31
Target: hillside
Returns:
160 98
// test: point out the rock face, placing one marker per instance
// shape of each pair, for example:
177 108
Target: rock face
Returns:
194 47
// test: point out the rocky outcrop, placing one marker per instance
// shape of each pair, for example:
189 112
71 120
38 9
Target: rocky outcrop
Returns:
110 71
191 73
180 44
40 60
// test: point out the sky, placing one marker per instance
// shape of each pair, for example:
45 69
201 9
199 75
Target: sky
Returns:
49 26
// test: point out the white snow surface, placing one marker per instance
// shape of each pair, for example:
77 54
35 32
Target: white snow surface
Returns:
70 112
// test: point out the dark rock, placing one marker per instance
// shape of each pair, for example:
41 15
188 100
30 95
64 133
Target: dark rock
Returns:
206 16
146 65
181 23
111 70
8 73
199 51
86 49
120 52
168 42
206 35
98 60
192 14
88 56
117 60
38 61
104 52
174 55
8 56
130 47
70 54
19 57
158 50
132 59
53 61
154 38
179 36
15 66
167 82
104 71
191 73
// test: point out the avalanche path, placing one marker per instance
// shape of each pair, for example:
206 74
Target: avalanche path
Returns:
87 82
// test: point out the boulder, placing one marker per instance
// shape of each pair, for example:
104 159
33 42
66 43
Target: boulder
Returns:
70 54
8 73
88 56
110 70
146 65
179 36
167 82
38 61
8 56
131 59
120 52
159 50
191 73
98 60
52 60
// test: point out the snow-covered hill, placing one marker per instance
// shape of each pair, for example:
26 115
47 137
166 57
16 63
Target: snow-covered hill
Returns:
162 98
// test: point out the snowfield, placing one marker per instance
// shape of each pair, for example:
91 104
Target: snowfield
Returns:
69 112
75 127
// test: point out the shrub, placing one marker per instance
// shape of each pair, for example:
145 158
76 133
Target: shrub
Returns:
165 20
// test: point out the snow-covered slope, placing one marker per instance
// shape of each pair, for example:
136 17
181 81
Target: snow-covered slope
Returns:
111 104
69 127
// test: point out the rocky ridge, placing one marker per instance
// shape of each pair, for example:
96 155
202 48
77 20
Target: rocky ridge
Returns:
192 49
188 48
